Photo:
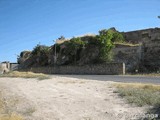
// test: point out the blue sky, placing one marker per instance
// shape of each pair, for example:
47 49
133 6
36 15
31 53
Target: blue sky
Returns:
26 23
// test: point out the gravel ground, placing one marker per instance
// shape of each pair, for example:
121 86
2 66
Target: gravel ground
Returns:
65 98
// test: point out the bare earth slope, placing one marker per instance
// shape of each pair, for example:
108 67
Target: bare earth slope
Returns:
64 98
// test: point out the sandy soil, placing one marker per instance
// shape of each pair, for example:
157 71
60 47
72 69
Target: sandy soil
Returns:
64 98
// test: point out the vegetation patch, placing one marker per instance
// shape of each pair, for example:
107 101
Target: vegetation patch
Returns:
151 87
18 74
126 44
147 74
141 95
12 116
7 116
29 111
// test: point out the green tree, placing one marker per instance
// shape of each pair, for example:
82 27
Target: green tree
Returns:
41 52
105 38
117 37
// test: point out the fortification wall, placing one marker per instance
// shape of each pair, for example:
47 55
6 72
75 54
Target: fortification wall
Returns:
100 69
151 57
140 36
150 52
131 56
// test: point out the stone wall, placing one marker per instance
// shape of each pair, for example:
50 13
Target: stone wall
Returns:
99 69
130 55
151 55
14 66
150 52
140 36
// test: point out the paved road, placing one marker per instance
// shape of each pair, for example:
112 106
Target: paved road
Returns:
118 78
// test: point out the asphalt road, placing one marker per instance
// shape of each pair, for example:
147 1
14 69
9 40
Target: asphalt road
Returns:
118 78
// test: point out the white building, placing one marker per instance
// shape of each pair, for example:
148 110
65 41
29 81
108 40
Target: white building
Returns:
7 66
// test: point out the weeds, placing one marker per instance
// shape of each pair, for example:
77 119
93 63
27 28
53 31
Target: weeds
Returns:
40 76
72 82
147 74
7 116
141 95
13 116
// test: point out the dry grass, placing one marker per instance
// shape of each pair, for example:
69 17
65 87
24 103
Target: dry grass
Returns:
152 87
7 116
29 111
1 103
139 94
13 116
147 74
72 82
40 76
126 44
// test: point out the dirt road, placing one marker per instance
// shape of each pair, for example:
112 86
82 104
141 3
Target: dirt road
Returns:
65 98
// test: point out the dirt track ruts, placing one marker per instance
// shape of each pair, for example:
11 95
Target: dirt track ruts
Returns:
66 98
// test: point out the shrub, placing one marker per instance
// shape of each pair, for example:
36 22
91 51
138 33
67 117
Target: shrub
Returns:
72 48
106 45
41 52
140 94
118 37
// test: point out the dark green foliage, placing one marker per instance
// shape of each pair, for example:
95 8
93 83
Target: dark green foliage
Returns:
107 39
24 55
117 37
72 48
40 49
57 48
94 41
41 52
